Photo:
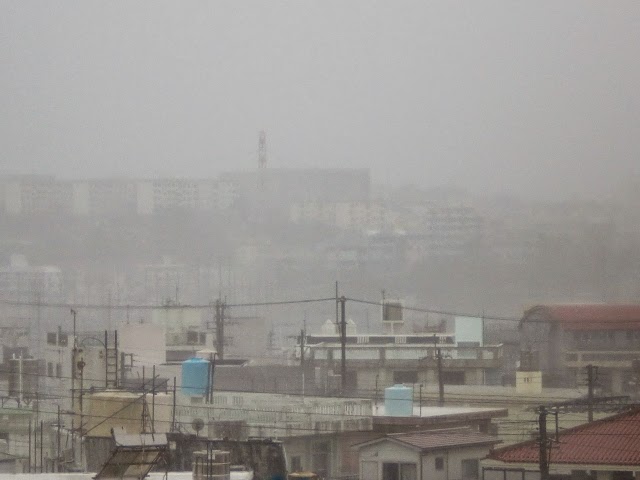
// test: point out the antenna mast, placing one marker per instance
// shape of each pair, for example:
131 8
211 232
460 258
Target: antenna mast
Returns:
262 150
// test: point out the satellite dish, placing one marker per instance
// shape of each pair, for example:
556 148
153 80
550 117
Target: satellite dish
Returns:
197 424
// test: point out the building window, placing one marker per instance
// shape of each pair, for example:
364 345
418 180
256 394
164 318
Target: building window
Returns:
58 370
439 463
470 469
296 463
51 338
399 471
192 338
405 376
453 378
50 369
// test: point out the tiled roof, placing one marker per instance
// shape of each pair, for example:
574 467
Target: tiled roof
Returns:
610 441
590 316
435 439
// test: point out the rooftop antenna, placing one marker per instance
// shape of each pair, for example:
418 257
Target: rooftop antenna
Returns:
262 155
262 150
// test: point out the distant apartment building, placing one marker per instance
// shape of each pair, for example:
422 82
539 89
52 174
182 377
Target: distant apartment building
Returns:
20 281
562 340
104 197
37 194
449 229
21 285
290 194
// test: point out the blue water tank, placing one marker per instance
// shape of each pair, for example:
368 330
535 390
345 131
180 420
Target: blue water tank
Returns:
398 401
195 377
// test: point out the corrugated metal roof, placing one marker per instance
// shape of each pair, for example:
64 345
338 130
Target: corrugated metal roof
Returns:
610 441
436 439
590 316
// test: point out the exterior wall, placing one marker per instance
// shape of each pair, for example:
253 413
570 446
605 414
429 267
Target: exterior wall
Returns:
176 319
375 366
529 382
295 416
349 461
147 342
452 462
425 464
306 449
389 452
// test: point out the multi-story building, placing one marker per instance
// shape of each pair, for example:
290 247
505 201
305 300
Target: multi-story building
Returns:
562 340
105 197
39 194
21 285
377 361
36 195
449 229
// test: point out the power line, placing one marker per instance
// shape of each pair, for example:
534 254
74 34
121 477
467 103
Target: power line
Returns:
207 306
439 312
210 306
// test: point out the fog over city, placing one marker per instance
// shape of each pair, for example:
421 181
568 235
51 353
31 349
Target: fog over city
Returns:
371 219
530 98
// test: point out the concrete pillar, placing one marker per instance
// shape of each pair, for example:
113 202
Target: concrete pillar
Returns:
600 475
616 381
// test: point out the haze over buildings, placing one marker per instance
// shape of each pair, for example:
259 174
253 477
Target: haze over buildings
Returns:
298 211
533 99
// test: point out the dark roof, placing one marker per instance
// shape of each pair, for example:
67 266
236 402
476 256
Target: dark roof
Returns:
588 316
134 455
609 441
437 439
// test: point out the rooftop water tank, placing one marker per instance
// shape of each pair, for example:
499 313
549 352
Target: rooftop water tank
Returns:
211 465
398 401
195 377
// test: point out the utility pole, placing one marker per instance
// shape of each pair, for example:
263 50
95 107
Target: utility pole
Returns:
173 410
220 306
591 374
153 401
73 361
337 303
440 378
29 458
343 344
543 460
57 468
302 365
41 446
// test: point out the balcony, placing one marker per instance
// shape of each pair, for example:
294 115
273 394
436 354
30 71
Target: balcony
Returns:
610 358
395 355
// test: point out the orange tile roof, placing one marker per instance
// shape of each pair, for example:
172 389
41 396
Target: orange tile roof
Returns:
591 316
609 441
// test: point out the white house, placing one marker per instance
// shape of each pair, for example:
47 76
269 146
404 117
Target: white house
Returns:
451 454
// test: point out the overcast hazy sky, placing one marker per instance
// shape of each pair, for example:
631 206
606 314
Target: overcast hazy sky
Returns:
514 95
